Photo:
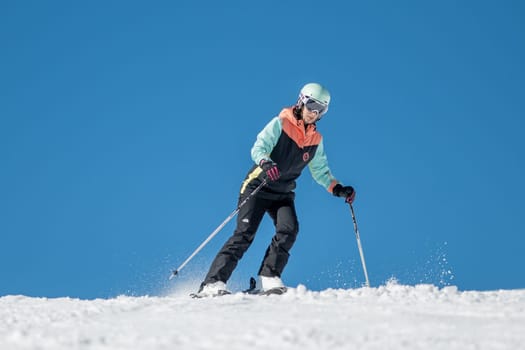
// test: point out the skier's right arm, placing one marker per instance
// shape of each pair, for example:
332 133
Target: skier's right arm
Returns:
266 141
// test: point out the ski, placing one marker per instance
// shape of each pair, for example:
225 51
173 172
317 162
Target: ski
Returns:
219 294
274 291
254 291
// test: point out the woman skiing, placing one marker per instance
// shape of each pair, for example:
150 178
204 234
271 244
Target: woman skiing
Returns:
286 145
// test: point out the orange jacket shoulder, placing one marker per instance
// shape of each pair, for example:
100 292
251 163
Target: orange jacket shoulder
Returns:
295 129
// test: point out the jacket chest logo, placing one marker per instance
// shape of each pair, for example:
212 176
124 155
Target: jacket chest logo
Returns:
306 156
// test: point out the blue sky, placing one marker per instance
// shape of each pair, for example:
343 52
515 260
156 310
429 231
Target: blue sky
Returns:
126 128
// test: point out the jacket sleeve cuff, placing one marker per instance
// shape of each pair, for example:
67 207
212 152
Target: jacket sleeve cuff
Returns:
332 185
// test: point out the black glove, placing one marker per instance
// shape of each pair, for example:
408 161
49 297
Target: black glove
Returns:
270 169
344 191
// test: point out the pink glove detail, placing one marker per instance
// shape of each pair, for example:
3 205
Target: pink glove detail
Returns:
270 169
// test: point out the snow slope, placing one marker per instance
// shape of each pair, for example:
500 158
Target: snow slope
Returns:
388 317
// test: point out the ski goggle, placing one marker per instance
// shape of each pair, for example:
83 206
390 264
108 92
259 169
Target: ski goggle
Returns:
313 105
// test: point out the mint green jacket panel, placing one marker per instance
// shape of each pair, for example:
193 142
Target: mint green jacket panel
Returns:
320 170
266 140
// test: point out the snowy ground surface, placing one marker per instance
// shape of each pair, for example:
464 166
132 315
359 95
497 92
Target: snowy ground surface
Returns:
388 317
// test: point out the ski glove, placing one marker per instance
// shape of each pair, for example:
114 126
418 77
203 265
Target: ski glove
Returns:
270 169
344 191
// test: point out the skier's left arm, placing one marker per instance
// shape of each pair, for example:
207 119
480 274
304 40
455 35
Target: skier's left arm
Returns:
320 171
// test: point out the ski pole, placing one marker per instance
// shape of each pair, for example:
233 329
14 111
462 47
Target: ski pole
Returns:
220 227
359 244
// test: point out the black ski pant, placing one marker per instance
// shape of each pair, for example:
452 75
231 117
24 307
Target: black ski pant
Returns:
281 209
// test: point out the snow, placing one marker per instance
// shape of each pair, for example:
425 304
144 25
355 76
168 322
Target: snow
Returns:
392 316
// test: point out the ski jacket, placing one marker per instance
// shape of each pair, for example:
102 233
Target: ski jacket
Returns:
286 141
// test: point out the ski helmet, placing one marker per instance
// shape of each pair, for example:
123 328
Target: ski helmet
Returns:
314 96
